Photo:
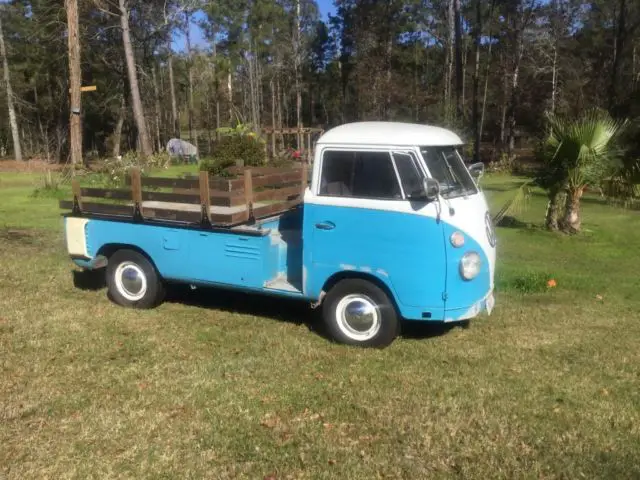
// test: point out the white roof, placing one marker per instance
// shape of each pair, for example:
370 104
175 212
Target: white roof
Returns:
389 133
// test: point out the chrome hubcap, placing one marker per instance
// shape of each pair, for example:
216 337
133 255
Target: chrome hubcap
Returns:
131 281
358 317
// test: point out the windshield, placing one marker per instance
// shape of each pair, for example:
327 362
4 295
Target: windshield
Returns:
447 167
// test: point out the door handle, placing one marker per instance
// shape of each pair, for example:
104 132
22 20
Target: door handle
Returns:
326 225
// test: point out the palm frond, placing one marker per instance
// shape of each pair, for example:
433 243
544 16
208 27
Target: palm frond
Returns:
582 147
518 202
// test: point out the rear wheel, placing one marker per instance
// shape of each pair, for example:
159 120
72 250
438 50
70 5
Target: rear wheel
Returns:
357 312
133 281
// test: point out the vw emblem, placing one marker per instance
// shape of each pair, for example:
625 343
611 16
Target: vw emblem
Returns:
491 234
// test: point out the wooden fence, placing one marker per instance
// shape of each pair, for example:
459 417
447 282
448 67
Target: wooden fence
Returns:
255 193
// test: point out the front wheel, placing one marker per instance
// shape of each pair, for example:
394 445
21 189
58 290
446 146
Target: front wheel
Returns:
133 281
357 312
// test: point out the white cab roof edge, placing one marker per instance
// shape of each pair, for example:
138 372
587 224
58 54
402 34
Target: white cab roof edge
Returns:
389 133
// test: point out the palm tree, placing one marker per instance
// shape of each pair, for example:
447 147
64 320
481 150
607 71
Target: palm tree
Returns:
578 153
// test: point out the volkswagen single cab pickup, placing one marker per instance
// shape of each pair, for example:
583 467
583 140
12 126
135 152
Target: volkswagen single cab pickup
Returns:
390 226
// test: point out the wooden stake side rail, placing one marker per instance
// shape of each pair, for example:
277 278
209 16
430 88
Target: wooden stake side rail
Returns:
290 185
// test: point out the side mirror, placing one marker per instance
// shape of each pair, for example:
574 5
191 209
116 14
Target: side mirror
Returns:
431 189
477 170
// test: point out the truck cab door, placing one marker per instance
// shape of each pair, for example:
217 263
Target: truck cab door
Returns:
360 220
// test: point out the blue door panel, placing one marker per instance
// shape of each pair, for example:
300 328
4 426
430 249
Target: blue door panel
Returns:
403 249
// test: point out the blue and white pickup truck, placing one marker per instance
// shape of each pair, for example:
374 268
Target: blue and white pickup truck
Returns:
392 226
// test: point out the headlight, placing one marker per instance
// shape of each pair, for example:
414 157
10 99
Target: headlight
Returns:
470 265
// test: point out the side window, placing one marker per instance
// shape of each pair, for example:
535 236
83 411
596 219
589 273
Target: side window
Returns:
410 174
359 175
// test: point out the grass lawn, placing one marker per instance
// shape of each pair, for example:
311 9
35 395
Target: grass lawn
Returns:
220 385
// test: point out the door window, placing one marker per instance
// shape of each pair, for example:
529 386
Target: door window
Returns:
410 173
359 175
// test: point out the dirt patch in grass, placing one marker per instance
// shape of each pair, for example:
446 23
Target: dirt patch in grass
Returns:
23 236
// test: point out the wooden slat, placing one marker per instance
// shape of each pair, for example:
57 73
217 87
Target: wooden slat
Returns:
174 215
191 199
274 208
248 193
277 179
160 182
223 184
102 208
257 171
276 194
112 193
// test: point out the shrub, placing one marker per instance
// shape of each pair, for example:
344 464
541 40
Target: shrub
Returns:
113 171
230 150
525 282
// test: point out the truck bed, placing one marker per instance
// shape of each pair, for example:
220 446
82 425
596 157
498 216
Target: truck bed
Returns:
207 201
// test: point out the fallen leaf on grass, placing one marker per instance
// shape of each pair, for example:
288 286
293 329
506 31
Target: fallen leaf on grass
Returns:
332 462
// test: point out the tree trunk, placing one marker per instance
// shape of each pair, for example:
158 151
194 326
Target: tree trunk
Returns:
297 54
230 94
156 94
279 103
193 133
138 112
117 133
388 84
557 198
449 59
458 53
13 120
476 83
513 103
554 78
571 222
175 121
505 101
217 86
273 117
618 45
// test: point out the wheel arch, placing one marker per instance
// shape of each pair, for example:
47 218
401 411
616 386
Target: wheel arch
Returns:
369 277
108 249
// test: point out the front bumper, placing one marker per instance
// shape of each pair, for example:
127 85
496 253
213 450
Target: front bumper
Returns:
460 314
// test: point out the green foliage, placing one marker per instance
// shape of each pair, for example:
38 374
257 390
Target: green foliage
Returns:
50 185
234 149
112 172
524 282
579 151
502 165
241 129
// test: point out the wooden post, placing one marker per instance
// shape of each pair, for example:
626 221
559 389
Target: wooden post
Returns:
77 196
248 193
304 180
309 154
205 198
136 192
